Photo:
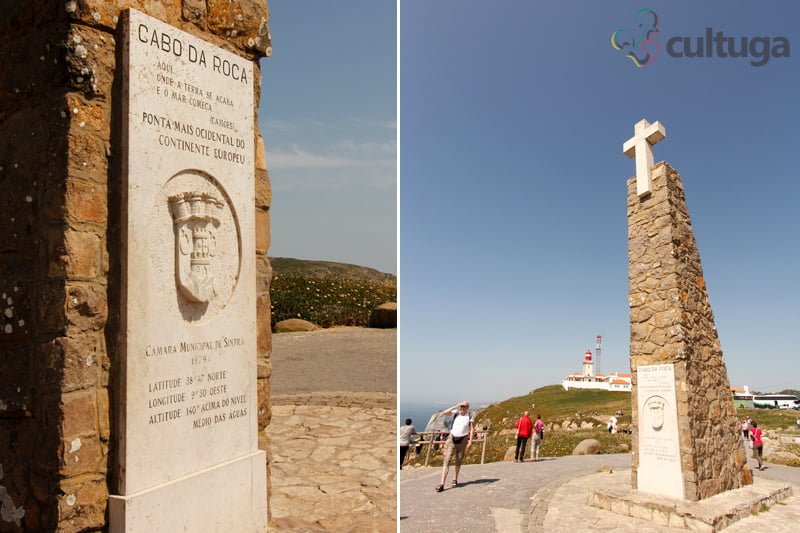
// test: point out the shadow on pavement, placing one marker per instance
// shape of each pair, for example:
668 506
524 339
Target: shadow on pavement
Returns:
478 482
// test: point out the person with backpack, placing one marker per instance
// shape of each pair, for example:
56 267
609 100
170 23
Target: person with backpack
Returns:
458 442
538 437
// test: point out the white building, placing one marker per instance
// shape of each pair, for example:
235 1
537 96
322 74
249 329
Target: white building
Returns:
614 381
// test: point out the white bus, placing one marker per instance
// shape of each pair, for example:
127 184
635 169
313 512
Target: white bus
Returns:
776 401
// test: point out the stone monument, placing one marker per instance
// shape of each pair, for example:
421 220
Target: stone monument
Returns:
134 321
686 443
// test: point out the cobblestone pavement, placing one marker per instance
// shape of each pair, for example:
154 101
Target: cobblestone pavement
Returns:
505 496
334 431
333 468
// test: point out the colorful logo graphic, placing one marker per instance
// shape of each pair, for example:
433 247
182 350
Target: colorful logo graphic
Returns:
639 45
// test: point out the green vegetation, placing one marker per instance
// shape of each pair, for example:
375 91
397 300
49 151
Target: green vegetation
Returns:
556 406
771 418
327 294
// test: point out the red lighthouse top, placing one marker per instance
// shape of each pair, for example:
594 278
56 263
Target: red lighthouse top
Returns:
588 356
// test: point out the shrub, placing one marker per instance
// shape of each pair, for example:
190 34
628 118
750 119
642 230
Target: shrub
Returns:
327 300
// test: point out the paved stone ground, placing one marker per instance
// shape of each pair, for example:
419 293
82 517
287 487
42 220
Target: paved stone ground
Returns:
333 444
548 496
503 496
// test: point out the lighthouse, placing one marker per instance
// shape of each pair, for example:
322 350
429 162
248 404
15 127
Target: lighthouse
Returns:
588 364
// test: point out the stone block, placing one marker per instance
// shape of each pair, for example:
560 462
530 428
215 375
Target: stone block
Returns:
263 189
82 455
79 359
89 57
79 415
261 161
85 202
86 306
262 231
82 504
88 154
245 23
82 254
106 14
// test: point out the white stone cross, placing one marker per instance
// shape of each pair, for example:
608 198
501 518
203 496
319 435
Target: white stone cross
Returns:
641 146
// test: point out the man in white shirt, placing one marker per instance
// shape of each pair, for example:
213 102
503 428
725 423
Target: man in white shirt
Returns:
458 442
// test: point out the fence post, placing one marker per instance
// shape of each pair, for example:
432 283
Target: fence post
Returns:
428 453
483 450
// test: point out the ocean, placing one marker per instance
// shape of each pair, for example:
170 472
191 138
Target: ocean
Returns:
419 413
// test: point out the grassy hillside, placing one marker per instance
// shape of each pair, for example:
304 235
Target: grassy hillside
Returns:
575 408
567 415
327 294
326 269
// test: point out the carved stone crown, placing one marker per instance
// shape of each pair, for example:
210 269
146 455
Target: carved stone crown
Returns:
195 206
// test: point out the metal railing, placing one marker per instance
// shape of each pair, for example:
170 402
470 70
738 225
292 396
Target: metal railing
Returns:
431 439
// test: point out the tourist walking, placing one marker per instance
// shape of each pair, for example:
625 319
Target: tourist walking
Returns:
758 444
458 442
406 435
538 436
524 428
745 428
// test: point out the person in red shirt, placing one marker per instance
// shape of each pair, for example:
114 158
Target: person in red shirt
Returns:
524 428
758 444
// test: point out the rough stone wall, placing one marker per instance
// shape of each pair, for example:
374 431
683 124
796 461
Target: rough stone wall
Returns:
59 263
672 322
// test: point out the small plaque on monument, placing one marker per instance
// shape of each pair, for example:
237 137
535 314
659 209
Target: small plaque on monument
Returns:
659 447
187 445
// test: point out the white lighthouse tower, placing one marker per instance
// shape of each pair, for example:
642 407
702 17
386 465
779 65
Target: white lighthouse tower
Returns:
588 364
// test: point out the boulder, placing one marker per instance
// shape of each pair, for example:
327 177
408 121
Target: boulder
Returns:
782 457
294 324
587 447
509 456
384 316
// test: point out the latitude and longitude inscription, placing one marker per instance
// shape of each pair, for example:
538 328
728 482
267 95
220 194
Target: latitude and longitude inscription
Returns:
202 395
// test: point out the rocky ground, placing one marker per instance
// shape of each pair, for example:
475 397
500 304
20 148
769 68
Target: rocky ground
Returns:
333 431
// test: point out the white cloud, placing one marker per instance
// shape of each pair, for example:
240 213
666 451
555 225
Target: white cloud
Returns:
387 124
345 154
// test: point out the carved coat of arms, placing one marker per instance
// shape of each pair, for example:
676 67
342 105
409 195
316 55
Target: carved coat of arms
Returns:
196 216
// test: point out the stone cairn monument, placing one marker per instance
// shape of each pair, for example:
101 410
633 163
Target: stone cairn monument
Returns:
686 443
134 318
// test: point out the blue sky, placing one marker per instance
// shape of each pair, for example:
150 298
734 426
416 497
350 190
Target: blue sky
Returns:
328 117
513 231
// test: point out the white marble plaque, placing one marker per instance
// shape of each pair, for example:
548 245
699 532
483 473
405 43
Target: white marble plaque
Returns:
659 469
188 347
